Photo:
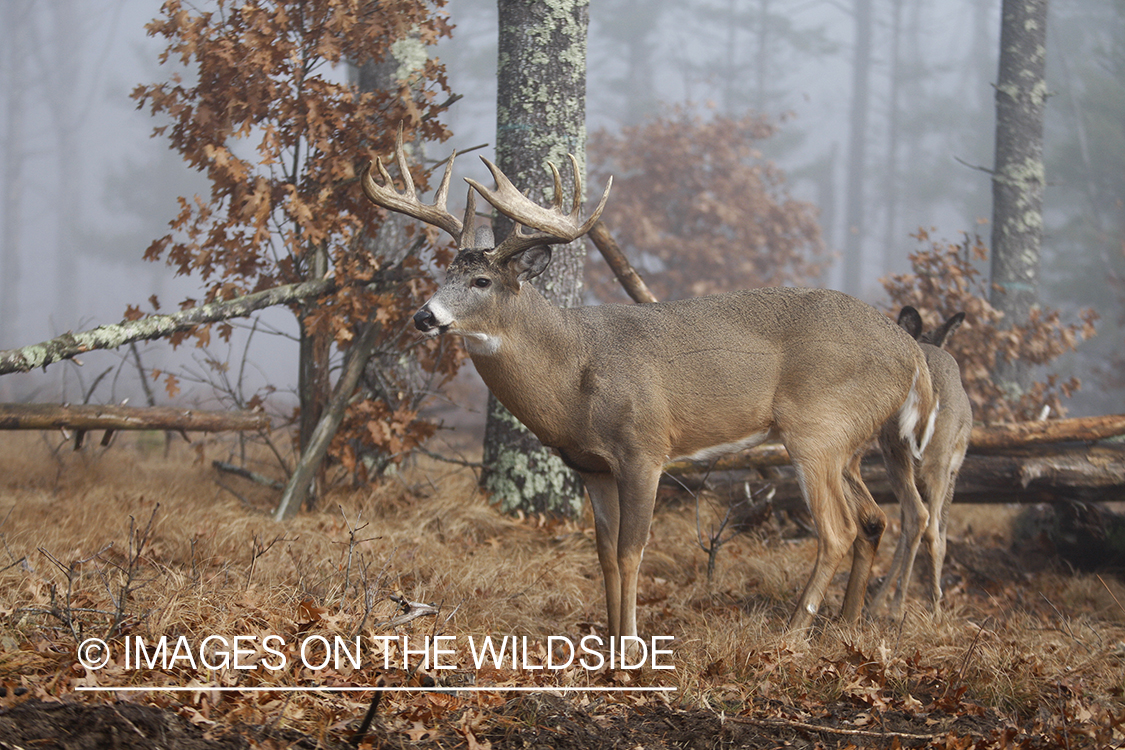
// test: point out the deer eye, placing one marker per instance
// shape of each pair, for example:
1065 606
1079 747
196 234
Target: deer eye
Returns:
482 282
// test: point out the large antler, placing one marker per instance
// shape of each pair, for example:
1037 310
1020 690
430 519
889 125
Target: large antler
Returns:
551 226
407 201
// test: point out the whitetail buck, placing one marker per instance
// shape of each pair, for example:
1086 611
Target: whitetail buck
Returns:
619 390
925 515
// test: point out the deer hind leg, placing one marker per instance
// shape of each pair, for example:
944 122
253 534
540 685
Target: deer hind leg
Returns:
938 483
822 483
602 489
870 522
915 518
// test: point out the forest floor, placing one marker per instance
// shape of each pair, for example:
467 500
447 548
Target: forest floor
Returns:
129 545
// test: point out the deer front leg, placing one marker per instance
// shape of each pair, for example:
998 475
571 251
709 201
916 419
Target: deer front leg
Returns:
602 489
636 489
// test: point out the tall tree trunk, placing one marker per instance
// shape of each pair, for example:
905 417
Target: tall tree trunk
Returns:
891 177
67 105
1018 175
540 117
854 206
17 18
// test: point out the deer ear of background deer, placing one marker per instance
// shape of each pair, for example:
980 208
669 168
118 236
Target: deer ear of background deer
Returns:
938 336
910 320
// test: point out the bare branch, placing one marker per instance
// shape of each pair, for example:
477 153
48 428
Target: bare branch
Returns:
71 345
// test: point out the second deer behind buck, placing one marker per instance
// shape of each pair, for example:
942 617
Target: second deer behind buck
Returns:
925 515
619 390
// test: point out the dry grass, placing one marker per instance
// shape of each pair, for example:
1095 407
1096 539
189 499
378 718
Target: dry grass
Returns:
215 563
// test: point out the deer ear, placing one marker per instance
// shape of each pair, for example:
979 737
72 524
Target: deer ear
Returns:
941 335
531 262
911 321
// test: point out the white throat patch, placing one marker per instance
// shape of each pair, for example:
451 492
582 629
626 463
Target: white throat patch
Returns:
480 343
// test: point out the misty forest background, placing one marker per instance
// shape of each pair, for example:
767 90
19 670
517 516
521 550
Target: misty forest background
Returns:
883 114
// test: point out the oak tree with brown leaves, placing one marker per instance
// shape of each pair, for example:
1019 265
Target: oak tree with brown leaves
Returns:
698 208
259 101
945 279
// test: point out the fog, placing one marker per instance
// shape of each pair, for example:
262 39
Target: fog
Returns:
87 187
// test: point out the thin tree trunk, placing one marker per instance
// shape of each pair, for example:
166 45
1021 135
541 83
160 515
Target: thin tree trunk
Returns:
309 466
540 117
891 177
854 205
17 17
626 275
314 350
1018 178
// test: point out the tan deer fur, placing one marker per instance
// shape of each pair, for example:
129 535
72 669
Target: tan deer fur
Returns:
619 390
924 501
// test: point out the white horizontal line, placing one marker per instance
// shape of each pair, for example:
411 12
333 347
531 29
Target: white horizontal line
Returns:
302 689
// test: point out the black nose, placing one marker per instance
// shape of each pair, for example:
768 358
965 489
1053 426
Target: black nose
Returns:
424 320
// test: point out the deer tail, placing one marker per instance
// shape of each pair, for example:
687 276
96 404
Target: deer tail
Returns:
917 414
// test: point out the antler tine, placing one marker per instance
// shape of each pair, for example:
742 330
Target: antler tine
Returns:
556 198
403 167
468 232
407 202
551 226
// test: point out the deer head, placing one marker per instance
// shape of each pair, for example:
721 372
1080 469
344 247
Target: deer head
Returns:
484 277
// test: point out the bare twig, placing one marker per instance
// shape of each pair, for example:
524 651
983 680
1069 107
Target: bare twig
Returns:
253 476
775 723
410 611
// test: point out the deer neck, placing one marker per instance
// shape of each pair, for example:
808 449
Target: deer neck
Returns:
531 364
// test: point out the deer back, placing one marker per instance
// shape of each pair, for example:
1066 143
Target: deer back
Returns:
682 377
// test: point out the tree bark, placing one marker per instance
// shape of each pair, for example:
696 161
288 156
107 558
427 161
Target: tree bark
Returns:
70 345
540 118
92 417
1018 177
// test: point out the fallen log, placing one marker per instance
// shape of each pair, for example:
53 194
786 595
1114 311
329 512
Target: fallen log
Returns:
1017 434
985 439
93 417
1038 474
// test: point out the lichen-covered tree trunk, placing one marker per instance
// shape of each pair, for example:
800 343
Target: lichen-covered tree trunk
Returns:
540 117
1018 175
